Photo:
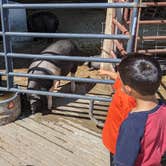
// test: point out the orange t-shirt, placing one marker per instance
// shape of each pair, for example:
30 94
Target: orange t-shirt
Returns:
119 108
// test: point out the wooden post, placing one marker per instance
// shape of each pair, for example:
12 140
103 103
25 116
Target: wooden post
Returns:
108 43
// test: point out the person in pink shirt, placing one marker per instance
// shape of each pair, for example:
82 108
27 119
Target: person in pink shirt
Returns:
142 135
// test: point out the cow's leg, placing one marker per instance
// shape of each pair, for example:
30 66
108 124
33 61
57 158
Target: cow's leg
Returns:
44 109
35 103
73 84
50 98
1 93
0 80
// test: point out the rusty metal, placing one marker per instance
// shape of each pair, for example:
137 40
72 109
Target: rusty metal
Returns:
150 22
137 28
155 4
113 55
126 15
152 51
133 27
152 38
120 47
121 27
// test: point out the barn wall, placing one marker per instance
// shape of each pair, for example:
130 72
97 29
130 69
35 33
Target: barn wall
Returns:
71 21
78 21
81 21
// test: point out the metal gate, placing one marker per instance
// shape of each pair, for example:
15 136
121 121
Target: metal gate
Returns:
9 55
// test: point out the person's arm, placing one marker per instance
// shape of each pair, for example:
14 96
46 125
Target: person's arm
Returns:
112 74
129 141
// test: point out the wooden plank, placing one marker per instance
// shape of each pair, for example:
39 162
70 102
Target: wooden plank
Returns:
52 151
71 141
16 146
32 147
80 109
3 162
10 158
107 43
43 143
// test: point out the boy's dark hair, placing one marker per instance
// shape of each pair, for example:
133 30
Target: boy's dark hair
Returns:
140 72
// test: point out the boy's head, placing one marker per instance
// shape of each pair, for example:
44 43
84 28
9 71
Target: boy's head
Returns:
141 73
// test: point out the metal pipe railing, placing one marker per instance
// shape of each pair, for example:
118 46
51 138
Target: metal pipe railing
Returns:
66 78
129 35
143 22
120 47
153 4
153 51
62 57
121 27
7 47
133 28
151 38
2 73
71 5
67 35
65 95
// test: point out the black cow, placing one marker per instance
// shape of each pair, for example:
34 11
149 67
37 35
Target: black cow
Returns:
51 67
43 21
94 65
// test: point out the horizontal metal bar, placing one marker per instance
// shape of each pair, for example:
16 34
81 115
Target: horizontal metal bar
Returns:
68 35
2 73
153 51
143 22
52 77
151 38
65 95
151 4
63 58
3 89
71 5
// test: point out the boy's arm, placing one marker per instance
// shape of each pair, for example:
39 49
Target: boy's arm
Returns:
112 74
129 141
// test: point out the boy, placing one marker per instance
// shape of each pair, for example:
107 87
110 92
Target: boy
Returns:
119 108
142 136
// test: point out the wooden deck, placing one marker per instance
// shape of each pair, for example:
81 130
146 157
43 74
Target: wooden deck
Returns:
62 142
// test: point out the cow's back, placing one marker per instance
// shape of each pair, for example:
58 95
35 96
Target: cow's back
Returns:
64 48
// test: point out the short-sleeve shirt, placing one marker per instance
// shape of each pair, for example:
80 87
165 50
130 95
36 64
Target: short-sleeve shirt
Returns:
142 138
119 108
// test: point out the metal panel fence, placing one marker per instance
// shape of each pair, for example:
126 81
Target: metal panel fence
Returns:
9 55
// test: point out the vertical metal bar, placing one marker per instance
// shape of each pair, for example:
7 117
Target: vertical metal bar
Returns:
133 25
6 43
91 115
125 15
137 28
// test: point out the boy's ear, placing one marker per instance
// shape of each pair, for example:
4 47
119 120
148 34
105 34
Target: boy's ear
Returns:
127 89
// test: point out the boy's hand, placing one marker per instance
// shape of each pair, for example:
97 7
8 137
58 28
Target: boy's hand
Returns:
111 74
104 72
